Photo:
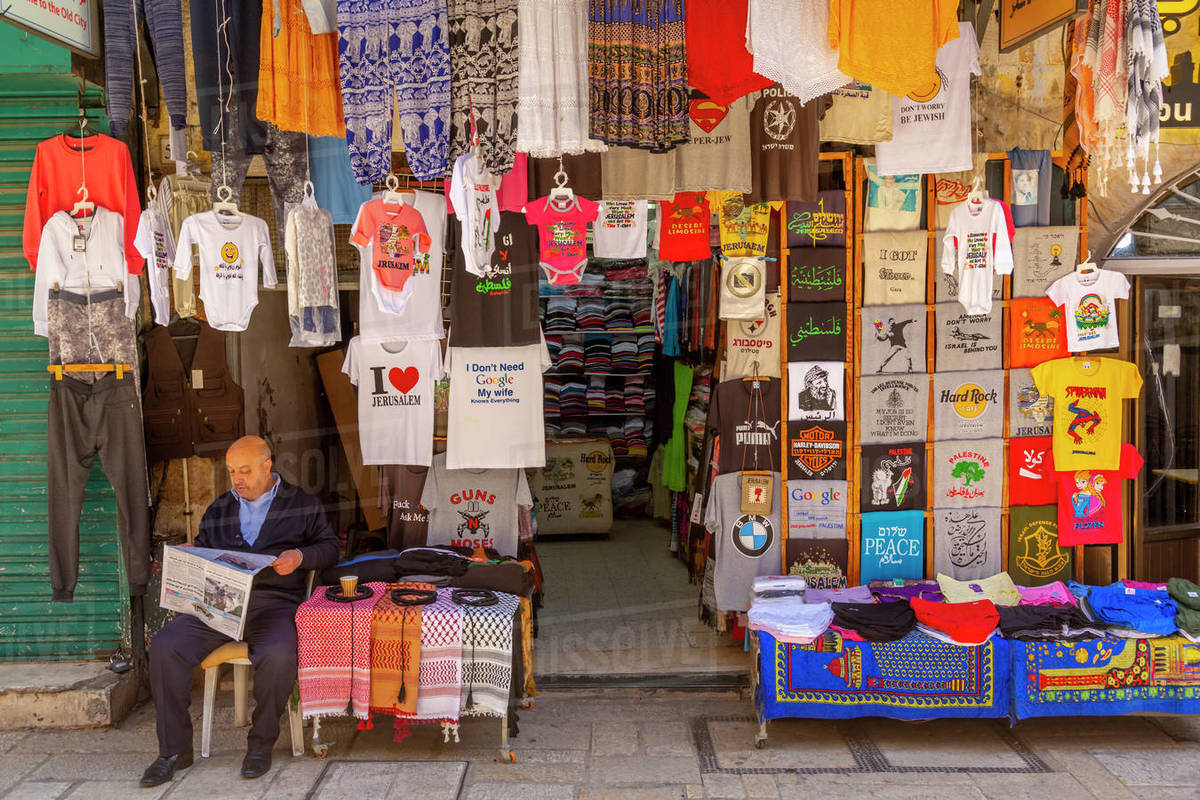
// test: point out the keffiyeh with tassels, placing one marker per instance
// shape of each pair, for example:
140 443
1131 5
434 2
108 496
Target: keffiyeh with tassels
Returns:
1146 53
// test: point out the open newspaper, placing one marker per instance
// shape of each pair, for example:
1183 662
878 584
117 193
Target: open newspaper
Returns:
211 585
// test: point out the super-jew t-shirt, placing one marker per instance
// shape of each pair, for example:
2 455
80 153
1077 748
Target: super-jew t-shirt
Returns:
474 507
1089 396
395 398
683 228
495 417
498 308
1089 501
1091 304
398 239
562 232
892 546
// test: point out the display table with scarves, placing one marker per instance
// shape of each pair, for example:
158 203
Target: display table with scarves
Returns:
920 677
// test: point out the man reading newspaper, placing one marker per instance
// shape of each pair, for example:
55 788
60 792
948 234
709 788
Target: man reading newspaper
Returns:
262 514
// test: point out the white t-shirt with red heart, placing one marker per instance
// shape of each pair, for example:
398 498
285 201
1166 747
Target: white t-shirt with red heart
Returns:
395 398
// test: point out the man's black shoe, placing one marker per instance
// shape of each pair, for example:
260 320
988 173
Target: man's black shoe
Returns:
163 769
256 763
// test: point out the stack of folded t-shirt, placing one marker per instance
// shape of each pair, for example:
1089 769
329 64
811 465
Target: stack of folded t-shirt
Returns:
1046 623
551 389
597 354
597 400
635 436
1187 599
1052 594
570 355
572 398
998 588
618 315
589 313
624 356
614 396
1127 611
850 594
635 400
643 315
560 314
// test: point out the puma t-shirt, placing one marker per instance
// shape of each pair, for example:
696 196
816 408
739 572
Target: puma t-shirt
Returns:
746 418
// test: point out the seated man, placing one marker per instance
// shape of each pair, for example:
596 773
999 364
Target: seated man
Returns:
263 514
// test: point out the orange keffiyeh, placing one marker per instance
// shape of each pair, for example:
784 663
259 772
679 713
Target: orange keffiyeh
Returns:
396 653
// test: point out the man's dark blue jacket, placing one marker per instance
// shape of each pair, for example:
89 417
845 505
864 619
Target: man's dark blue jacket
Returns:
295 521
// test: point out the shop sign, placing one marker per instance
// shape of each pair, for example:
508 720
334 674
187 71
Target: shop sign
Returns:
1181 92
1022 21
72 23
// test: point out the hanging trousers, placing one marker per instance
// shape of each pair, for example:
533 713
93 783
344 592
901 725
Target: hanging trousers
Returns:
237 89
284 156
164 20
183 643
389 52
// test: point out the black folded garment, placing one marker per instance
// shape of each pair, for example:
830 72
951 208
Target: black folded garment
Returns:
391 566
1042 623
377 566
875 622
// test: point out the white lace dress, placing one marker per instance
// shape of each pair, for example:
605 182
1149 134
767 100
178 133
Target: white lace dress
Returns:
789 40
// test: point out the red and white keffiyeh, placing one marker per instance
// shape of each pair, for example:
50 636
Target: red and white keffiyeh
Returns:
335 654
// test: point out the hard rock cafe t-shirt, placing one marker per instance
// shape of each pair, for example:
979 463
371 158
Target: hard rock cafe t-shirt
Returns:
752 345
968 405
395 398
1089 396
746 418
1089 501
500 307
1037 332
1031 478
475 507
683 228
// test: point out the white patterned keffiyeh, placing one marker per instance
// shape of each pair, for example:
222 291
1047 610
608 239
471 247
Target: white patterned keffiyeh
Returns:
487 643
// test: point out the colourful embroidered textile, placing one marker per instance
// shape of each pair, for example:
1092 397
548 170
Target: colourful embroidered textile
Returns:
334 653
1104 677
396 653
487 657
637 68
916 677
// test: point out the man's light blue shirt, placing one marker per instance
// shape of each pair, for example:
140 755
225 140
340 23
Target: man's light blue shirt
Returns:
253 513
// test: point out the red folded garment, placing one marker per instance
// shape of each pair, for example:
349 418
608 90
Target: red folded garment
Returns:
968 624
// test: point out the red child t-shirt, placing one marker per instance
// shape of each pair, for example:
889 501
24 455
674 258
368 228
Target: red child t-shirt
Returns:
683 228
398 238
1037 332
1089 501
1031 478
562 235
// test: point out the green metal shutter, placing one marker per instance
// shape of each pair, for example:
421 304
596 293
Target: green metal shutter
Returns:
34 107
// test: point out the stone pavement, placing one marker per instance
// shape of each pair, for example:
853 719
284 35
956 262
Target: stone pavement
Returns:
642 745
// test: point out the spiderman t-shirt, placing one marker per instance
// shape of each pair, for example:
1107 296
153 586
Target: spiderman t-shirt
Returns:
1089 396
1089 501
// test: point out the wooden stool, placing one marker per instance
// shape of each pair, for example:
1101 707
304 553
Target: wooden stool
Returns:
238 654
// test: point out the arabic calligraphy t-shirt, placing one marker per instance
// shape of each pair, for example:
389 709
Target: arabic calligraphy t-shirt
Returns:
395 398
966 542
1031 478
892 339
500 307
816 274
893 476
816 331
819 224
1089 397
1089 501
968 474
746 418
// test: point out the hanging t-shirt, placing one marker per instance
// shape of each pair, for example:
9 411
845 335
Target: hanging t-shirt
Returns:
968 405
1035 554
893 408
475 507
231 249
1089 404
1030 412
718 62
967 341
400 489
893 201
931 127
968 474
495 417
752 345
892 545
816 274
633 174
976 248
822 563
784 140
1042 256
894 268
819 224
718 155
946 285
683 228
500 307
952 188
395 398
859 114
1031 479
620 229
1037 332
1089 501
747 545
746 418
966 542
1090 301
743 288
892 339
816 451
562 233
156 244
417 309
743 227
1031 175
472 197
893 477
399 241
816 331
817 509
816 390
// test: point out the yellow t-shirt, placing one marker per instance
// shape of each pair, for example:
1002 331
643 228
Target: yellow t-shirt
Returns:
744 226
998 588
1089 396
891 48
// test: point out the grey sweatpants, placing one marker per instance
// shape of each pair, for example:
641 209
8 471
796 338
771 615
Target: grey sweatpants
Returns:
164 20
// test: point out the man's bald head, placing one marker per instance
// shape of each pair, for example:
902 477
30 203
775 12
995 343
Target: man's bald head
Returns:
248 461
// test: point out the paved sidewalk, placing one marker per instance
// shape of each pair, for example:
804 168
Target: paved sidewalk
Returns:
642 746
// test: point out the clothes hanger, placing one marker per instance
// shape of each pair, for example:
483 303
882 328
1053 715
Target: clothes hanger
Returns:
977 194
225 204
1087 266
392 197
309 199
83 208
561 193
81 129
